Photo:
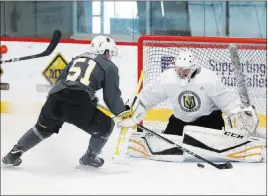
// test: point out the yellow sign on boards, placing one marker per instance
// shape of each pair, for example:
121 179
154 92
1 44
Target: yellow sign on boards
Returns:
54 68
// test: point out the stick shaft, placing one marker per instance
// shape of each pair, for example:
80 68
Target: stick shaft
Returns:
241 84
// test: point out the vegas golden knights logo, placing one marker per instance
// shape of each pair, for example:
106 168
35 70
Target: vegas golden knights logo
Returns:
189 102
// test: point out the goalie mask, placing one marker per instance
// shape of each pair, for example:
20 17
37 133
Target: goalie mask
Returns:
101 44
185 66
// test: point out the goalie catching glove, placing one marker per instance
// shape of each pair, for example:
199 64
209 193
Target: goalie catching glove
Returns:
133 116
245 121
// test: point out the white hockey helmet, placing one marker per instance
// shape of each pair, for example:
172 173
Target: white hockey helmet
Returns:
100 44
185 66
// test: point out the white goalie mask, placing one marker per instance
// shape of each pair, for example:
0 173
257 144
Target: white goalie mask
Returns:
185 66
100 44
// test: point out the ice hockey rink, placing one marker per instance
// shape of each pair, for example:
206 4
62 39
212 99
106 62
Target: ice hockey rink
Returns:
50 168
149 35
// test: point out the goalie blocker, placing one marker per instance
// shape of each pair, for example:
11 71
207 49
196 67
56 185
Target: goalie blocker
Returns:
214 144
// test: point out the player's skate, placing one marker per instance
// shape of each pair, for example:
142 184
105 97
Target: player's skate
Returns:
13 157
90 159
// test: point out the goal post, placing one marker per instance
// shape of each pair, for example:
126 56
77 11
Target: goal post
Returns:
156 52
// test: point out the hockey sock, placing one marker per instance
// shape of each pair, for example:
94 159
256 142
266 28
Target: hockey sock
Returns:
96 144
31 138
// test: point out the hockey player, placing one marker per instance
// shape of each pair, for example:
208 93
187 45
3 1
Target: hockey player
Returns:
198 97
72 100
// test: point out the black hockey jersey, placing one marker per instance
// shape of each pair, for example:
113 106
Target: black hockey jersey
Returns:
92 72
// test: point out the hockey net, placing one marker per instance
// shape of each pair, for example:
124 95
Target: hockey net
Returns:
156 52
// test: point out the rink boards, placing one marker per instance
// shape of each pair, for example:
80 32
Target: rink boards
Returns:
29 81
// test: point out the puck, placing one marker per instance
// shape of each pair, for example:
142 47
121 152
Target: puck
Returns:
228 165
200 165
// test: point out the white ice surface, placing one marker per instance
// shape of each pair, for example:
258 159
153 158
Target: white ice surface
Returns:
49 168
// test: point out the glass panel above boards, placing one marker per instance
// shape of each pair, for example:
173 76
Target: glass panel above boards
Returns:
127 20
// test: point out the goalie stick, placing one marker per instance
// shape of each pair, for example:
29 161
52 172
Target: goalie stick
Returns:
241 84
53 44
226 165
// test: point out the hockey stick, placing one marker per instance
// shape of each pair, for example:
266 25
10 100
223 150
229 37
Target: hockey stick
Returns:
241 84
53 44
226 165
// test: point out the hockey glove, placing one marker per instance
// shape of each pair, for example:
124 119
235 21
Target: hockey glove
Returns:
246 120
137 116
122 118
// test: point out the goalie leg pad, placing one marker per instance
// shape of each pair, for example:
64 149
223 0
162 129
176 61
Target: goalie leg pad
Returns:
146 145
225 145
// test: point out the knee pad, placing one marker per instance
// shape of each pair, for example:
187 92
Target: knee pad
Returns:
50 127
109 132
105 134
103 130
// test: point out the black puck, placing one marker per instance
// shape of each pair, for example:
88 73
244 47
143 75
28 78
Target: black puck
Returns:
228 165
200 165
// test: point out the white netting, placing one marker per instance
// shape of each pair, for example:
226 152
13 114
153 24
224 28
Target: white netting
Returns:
158 54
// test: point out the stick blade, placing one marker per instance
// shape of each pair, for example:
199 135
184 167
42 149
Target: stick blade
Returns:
54 42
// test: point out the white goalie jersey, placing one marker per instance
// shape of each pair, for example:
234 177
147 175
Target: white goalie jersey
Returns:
204 93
